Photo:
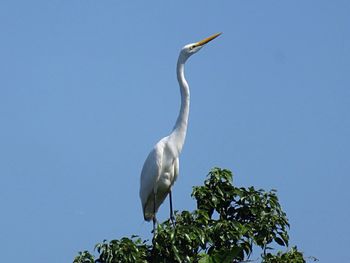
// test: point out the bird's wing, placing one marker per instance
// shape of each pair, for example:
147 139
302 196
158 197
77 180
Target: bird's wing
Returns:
150 174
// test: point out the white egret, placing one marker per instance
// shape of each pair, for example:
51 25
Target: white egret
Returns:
161 167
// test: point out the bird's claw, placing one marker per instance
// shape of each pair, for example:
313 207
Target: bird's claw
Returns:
172 219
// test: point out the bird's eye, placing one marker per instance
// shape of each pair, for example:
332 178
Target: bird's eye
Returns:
191 47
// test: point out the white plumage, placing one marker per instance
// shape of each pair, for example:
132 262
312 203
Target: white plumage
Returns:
161 167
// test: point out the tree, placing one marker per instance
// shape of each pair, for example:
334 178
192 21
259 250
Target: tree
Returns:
227 224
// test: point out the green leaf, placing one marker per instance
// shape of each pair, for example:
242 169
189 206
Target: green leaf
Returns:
279 241
205 258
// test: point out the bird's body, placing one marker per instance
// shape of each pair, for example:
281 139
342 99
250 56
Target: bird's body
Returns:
161 167
158 176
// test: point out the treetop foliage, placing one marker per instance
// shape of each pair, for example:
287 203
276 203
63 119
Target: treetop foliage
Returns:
227 224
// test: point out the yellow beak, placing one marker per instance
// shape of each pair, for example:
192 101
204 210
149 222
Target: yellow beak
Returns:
206 40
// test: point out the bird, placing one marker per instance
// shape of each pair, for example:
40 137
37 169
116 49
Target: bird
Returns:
161 167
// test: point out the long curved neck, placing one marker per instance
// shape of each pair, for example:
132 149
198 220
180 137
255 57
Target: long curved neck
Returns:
178 135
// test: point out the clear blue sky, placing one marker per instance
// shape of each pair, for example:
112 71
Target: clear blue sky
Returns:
88 86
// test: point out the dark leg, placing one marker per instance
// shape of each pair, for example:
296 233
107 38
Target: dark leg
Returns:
154 215
172 218
154 225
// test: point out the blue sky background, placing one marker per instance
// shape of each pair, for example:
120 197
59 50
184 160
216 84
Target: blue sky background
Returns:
88 86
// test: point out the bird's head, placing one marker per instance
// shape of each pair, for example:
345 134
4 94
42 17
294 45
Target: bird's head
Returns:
193 48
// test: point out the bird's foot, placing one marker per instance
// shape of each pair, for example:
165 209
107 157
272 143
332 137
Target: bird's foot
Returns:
172 219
